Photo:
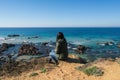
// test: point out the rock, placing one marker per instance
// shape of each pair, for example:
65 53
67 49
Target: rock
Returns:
27 49
82 60
81 49
106 43
119 46
44 43
33 37
109 43
111 59
14 35
5 46
71 46
2 59
51 44
117 60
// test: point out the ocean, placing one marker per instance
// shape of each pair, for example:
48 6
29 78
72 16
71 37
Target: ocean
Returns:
77 36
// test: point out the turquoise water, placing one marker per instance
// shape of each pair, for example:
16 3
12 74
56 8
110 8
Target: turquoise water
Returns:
84 36
75 35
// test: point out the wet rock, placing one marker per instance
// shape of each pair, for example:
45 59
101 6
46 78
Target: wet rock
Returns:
105 43
71 46
45 43
27 49
14 35
119 46
33 37
109 43
5 46
51 44
2 59
81 49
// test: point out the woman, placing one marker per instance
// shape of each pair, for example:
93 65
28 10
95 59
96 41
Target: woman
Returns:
61 47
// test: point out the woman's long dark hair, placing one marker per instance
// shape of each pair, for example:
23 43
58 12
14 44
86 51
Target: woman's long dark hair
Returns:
60 35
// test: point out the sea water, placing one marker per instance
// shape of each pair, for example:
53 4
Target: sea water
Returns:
77 36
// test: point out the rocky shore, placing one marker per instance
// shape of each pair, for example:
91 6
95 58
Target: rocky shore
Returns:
10 66
38 69
27 49
44 48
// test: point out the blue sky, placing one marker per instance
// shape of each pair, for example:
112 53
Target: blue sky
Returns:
59 13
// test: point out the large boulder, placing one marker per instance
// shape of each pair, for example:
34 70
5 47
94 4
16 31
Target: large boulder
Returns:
81 49
27 49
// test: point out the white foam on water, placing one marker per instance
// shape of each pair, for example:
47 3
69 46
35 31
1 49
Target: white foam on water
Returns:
12 39
2 38
74 48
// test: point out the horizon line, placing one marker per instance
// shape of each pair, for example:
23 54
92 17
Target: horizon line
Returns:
63 27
